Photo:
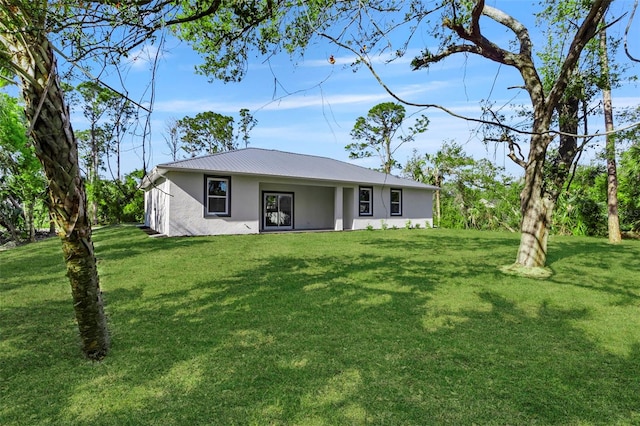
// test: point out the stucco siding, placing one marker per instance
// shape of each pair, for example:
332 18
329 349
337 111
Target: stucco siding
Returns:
156 206
175 205
313 206
416 207
188 207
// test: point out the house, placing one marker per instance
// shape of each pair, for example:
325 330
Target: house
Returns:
257 190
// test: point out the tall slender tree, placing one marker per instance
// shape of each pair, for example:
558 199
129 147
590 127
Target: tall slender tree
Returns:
172 137
376 133
613 220
245 124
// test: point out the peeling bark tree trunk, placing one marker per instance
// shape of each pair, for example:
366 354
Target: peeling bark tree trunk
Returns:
33 59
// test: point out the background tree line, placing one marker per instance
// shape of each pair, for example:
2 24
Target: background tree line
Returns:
112 196
478 194
474 193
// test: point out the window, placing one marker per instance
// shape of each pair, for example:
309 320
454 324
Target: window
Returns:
396 202
366 201
217 194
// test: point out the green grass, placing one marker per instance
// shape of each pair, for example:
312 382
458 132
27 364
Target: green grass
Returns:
415 327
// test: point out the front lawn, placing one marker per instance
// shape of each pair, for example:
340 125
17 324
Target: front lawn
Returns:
415 327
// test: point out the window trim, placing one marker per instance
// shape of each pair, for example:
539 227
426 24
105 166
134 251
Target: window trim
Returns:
207 197
391 202
370 202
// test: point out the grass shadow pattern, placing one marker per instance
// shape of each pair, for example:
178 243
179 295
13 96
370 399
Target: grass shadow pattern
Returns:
384 327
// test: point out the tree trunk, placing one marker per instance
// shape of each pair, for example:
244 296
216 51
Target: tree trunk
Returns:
55 143
536 207
610 149
28 217
438 212
93 174
7 222
438 183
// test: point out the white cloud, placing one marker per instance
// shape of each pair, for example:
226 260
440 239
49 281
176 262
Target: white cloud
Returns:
142 58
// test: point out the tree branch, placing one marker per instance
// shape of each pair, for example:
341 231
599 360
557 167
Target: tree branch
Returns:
626 32
585 33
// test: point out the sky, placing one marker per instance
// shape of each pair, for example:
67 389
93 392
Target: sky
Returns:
309 106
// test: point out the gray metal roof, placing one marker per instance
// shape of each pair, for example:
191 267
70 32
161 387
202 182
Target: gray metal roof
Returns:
265 162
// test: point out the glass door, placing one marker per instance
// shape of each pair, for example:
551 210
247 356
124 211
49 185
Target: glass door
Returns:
278 210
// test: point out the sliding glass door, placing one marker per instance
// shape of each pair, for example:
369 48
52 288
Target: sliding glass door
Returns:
277 211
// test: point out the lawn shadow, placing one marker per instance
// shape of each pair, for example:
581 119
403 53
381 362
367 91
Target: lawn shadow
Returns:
594 264
327 337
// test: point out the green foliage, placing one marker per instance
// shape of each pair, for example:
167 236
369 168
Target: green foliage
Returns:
22 182
629 172
582 208
109 115
629 188
376 133
120 201
207 132
473 193
246 124
336 328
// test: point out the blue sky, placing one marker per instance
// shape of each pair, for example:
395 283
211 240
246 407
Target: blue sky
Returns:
309 105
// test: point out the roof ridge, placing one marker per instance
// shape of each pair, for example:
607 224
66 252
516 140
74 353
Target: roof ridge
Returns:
323 158
194 158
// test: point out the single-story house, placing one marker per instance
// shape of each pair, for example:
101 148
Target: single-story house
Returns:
255 190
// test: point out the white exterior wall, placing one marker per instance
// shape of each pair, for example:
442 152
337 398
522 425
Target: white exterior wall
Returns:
317 205
312 205
156 206
187 207
417 206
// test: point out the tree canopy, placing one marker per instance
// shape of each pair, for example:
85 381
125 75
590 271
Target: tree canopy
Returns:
376 132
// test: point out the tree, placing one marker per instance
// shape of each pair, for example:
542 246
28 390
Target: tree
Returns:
538 197
207 132
613 219
377 131
582 205
629 188
88 33
31 55
476 194
109 115
456 29
432 168
21 179
246 124
121 200
171 137
593 74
